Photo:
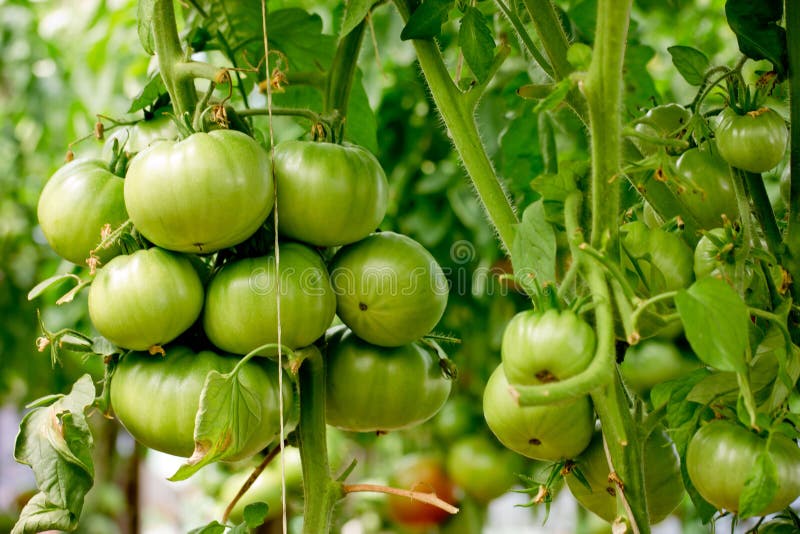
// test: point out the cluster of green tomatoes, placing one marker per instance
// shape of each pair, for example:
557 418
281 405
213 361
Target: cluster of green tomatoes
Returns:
205 282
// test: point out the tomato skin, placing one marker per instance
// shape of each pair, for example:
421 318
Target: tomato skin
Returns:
753 142
664 258
549 432
241 309
538 346
135 138
330 194
662 479
661 121
389 289
425 474
204 193
482 469
78 200
370 388
146 298
706 168
652 362
156 397
734 450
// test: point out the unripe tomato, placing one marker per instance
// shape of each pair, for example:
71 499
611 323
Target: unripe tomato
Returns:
548 432
389 290
721 457
425 474
146 298
661 121
755 141
481 468
156 398
135 138
370 388
204 193
328 194
652 362
706 168
76 203
664 259
241 311
662 478
540 347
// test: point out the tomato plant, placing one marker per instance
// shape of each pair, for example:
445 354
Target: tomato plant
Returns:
754 142
156 398
330 194
390 291
145 299
736 453
241 310
78 201
204 193
371 388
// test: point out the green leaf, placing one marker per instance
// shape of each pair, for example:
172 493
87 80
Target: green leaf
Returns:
255 514
56 442
354 13
228 415
215 527
151 92
39 515
757 32
705 510
579 56
682 415
535 91
691 63
426 21
555 97
45 284
533 252
476 42
716 323
145 27
760 487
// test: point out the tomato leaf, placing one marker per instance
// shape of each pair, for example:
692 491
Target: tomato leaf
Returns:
354 13
151 92
255 514
45 284
760 487
757 32
716 323
55 441
145 26
426 21
476 42
215 527
228 415
705 510
533 253
682 415
691 63
555 97
554 188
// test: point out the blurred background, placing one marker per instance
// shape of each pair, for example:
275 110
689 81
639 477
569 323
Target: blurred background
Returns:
64 62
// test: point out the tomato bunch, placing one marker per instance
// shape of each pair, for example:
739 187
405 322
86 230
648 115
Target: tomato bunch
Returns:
197 273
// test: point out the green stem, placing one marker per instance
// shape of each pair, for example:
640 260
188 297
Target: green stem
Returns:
290 112
343 69
461 126
763 211
791 261
320 491
523 35
170 54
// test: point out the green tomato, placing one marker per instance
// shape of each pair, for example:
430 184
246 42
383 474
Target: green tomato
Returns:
457 418
753 142
662 479
145 299
241 311
78 201
207 192
652 362
664 121
548 432
135 138
389 290
543 347
664 259
482 469
722 455
156 398
329 194
711 173
370 388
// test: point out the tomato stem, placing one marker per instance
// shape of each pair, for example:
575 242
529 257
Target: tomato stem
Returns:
170 54
792 261
426 497
250 480
341 75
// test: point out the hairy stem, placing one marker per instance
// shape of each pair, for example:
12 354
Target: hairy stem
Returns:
461 127
170 54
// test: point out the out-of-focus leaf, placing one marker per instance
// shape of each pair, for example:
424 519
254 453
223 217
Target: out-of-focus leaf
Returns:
476 42
690 62
426 21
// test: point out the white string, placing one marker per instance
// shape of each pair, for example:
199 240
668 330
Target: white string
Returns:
277 264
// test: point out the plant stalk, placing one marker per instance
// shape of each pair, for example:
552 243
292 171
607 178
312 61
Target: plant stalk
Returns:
170 55
792 259
343 69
